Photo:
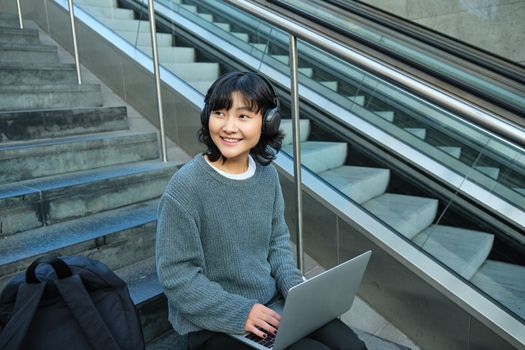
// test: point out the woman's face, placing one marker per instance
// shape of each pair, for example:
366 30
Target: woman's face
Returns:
235 131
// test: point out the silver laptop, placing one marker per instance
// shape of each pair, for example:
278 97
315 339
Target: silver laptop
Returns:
312 304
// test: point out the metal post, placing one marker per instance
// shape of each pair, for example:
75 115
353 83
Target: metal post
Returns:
296 149
74 35
156 73
19 9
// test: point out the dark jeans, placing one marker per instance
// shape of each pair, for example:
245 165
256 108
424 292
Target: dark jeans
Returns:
333 336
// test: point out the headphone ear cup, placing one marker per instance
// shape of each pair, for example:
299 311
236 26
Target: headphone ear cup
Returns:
271 121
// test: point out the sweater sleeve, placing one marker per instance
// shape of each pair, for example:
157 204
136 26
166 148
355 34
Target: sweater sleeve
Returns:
280 255
180 267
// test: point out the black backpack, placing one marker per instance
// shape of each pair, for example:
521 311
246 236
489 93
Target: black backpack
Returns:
68 303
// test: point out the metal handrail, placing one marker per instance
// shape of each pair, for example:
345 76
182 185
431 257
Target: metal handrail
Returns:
19 10
156 70
75 44
156 73
294 96
484 118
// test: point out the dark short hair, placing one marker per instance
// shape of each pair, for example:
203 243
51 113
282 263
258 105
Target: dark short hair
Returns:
259 97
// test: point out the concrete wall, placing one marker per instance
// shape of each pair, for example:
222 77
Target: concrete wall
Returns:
497 26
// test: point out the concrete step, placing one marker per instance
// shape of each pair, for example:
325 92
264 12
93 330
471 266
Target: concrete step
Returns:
98 3
243 36
47 201
28 160
319 156
286 127
9 20
418 132
25 97
144 39
172 54
359 183
489 171
330 84
190 8
28 53
24 74
147 295
129 25
360 100
196 71
224 26
111 13
206 16
32 125
282 58
260 47
118 238
201 86
453 151
309 72
387 115
19 36
409 215
504 282
460 249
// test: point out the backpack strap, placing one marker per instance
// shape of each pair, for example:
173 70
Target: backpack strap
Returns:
79 302
26 304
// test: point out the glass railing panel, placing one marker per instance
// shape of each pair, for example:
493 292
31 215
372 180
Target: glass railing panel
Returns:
441 135
419 53
488 254
492 26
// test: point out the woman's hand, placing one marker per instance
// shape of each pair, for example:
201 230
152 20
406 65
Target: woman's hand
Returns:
262 318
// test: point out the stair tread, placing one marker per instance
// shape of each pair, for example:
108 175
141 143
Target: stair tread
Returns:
18 31
69 139
418 132
142 280
29 66
82 177
27 47
503 281
407 214
286 127
49 238
10 114
462 250
359 183
319 156
50 87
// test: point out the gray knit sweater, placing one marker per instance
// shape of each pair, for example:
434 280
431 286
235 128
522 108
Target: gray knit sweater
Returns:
222 246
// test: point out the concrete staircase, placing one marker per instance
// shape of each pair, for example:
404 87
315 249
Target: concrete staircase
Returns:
180 60
73 178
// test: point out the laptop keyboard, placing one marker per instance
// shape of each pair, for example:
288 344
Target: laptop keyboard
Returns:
267 342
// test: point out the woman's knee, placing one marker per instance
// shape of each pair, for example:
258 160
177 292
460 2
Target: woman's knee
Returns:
338 336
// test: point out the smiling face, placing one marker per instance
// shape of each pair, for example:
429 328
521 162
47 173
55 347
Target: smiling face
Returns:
235 132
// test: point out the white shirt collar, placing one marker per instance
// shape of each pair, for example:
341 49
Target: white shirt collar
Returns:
242 176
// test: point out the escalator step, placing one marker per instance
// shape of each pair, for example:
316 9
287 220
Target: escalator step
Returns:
460 249
504 282
409 215
359 183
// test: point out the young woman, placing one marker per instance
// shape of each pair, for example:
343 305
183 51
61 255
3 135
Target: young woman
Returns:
223 248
